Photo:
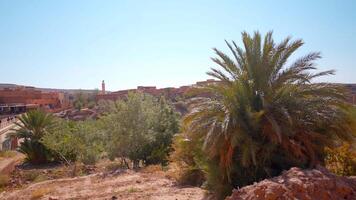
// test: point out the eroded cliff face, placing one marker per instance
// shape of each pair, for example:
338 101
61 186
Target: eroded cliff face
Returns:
300 184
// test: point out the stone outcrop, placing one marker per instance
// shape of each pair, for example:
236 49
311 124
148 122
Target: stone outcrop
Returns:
300 184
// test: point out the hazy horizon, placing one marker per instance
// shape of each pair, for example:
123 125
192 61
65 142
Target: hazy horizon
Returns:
77 44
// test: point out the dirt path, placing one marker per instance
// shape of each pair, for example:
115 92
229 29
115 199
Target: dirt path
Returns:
128 185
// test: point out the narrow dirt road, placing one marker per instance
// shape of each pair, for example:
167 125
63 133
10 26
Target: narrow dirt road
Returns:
127 185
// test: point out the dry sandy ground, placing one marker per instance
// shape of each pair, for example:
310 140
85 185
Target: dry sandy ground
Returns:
127 185
8 164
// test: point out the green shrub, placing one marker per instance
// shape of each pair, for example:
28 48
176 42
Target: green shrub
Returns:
91 104
74 141
90 157
139 128
187 163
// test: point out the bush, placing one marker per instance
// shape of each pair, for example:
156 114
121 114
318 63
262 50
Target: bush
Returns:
341 160
90 156
187 164
74 141
91 104
139 128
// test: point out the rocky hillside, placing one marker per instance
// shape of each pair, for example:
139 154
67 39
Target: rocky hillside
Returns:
300 184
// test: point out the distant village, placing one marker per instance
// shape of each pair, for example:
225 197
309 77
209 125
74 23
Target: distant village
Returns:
16 99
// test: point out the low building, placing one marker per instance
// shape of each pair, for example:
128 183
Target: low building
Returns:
169 92
20 99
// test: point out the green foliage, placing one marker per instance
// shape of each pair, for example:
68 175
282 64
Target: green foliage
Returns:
63 141
139 128
82 100
32 127
187 161
79 101
265 115
341 160
35 151
76 141
91 104
165 125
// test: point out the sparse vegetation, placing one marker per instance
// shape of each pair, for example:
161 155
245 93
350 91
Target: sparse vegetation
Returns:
83 100
132 190
30 175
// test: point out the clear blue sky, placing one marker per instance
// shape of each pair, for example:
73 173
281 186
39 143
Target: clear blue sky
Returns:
76 44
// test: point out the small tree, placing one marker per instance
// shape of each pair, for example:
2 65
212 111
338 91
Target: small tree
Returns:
79 101
165 125
140 128
74 141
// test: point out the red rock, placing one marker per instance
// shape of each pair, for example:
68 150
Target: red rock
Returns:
300 184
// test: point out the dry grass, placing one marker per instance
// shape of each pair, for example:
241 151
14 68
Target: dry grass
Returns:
38 193
132 190
152 169
127 185
114 166
4 180
7 154
184 175
31 175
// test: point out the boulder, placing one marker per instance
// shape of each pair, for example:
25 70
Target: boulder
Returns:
300 184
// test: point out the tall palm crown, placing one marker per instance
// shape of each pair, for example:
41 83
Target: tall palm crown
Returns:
264 110
34 124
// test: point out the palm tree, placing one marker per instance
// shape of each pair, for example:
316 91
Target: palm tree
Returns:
32 126
266 114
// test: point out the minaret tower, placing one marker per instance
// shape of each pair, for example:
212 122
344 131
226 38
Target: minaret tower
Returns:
103 87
